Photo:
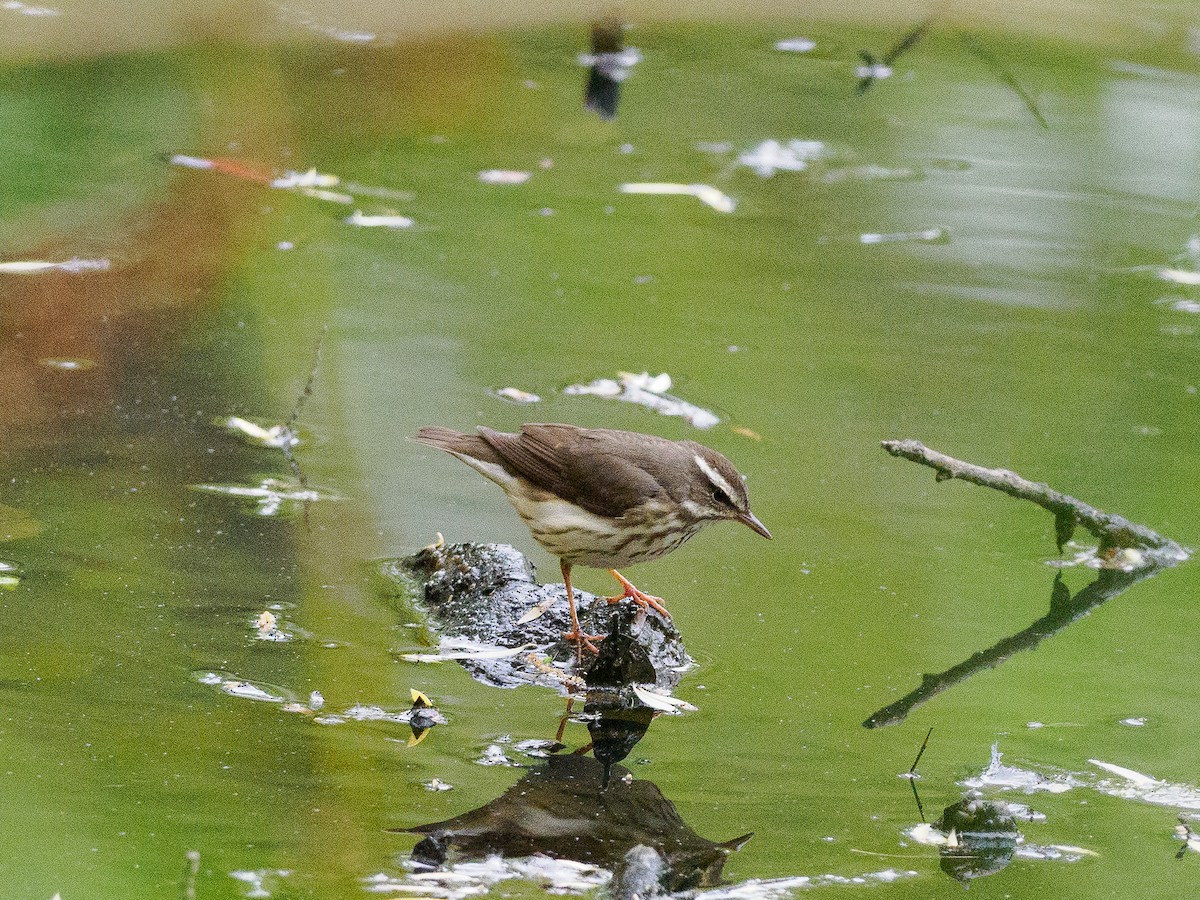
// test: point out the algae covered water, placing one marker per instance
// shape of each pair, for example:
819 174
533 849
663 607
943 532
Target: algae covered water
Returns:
237 279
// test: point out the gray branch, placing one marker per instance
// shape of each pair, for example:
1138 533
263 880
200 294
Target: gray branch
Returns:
1110 530
1113 532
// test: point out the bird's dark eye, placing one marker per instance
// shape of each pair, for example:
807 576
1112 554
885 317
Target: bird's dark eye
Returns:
721 498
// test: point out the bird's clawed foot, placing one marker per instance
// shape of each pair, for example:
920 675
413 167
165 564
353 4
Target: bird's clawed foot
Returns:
583 642
641 598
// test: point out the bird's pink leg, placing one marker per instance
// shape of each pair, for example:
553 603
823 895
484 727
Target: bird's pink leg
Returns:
575 634
641 599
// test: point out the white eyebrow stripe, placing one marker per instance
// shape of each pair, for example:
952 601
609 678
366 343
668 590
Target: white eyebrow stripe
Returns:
714 476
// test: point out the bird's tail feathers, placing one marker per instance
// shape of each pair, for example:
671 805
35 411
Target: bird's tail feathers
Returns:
468 445
438 436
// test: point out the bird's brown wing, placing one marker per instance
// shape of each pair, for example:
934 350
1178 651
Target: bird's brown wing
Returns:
592 468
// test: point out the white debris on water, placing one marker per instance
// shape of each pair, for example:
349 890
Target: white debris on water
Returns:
649 391
271 495
504 176
277 435
516 395
662 702
494 755
925 236
1129 784
362 220
470 879
772 888
705 193
773 156
999 775
74 265
796 45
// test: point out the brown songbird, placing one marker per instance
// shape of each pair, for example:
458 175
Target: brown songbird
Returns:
602 498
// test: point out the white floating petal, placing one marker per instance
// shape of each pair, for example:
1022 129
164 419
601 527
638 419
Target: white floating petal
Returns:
504 176
662 702
450 653
516 395
365 221
311 178
705 193
1137 778
73 265
191 162
796 45
537 610
925 235
649 391
1179 276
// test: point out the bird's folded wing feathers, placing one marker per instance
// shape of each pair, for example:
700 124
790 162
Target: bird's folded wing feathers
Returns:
534 454
576 467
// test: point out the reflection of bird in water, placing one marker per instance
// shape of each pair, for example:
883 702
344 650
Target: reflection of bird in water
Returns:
873 69
559 810
602 498
609 64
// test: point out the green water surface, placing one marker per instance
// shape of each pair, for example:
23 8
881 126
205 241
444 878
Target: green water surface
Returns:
1031 331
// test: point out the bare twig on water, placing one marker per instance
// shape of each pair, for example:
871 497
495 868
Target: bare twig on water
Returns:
913 776
289 429
912 770
873 68
975 46
1111 530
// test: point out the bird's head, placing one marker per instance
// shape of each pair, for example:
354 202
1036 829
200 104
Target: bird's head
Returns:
716 490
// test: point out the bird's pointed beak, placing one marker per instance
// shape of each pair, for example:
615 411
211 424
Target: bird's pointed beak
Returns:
751 521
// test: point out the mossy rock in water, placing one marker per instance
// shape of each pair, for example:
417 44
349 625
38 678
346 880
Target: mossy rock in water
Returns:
476 596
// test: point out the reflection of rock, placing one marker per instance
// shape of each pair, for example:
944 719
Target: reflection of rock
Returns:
615 732
480 593
559 810
571 808
985 837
